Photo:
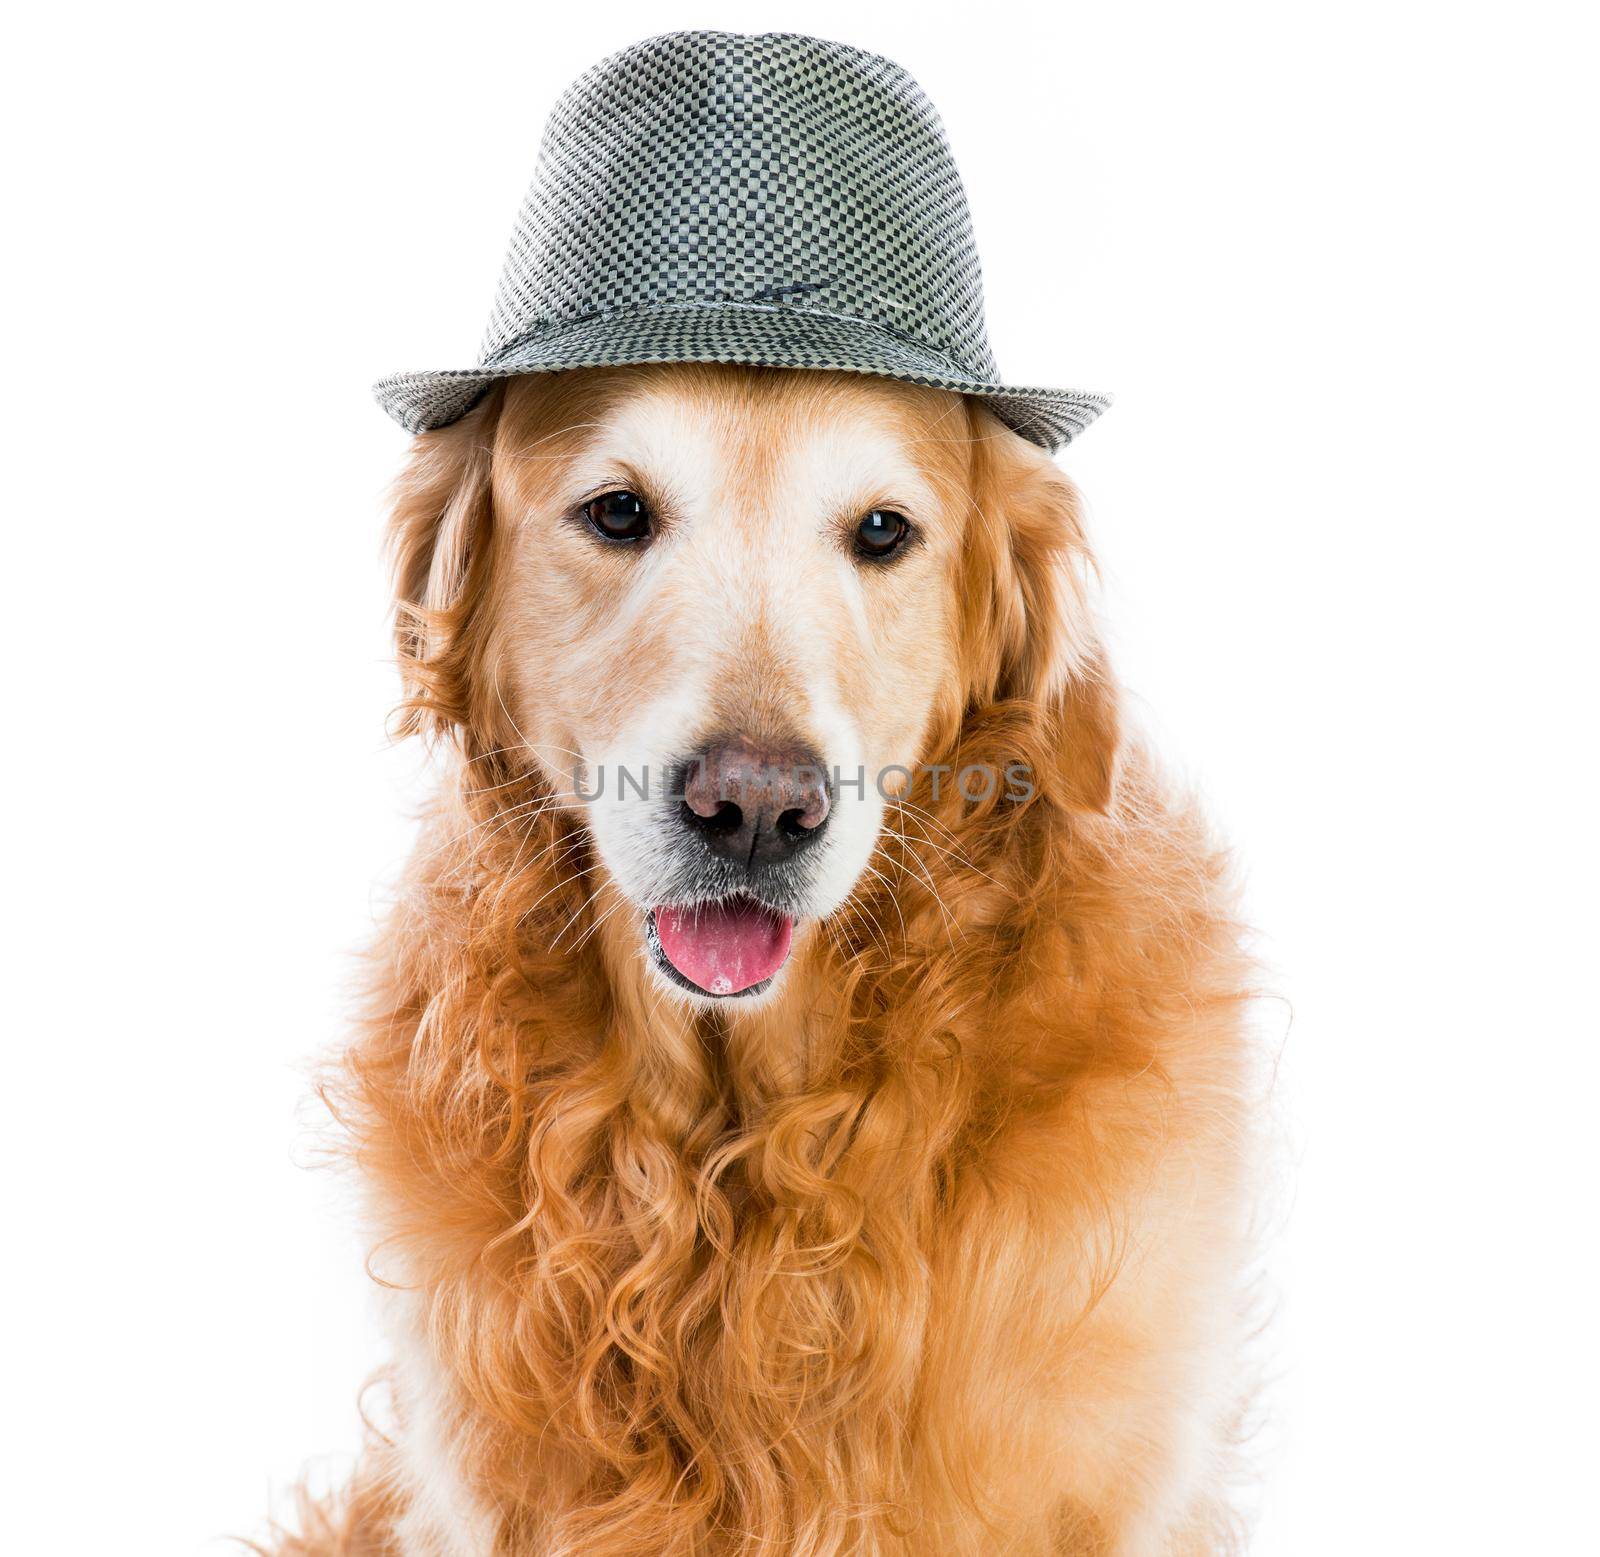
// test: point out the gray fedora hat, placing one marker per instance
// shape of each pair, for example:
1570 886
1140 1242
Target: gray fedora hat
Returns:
722 197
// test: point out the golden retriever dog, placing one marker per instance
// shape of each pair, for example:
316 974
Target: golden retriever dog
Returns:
804 1092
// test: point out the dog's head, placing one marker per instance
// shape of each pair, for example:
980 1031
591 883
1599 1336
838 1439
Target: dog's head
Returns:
728 617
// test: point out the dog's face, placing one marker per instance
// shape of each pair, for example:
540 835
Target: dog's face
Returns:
726 610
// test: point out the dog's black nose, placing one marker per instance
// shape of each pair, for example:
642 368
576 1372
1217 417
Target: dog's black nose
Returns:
755 804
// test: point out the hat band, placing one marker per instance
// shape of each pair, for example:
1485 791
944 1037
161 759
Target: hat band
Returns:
547 328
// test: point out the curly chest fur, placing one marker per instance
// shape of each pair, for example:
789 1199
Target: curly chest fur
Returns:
896 1313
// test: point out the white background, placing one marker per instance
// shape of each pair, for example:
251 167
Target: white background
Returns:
1336 262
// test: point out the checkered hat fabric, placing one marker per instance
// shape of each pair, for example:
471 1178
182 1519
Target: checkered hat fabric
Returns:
722 197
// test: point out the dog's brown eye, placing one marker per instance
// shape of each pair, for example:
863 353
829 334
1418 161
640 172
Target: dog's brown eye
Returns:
881 532
618 516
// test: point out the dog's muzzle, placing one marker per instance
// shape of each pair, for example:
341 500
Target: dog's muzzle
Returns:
746 815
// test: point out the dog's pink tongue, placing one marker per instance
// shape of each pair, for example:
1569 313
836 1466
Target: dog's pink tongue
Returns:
724 947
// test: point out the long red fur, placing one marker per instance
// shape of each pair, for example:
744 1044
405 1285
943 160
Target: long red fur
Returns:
896 1288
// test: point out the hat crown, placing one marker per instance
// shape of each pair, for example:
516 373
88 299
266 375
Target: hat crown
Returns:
768 172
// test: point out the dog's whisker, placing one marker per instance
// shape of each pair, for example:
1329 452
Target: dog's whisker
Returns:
922 841
927 878
525 777
889 892
958 855
573 848
577 875
524 814
588 935
577 913
521 456
859 914
472 830
516 729
926 820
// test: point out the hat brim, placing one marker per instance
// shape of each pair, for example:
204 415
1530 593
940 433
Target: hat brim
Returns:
734 333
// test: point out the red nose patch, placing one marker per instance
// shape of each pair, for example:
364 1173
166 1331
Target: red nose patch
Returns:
723 948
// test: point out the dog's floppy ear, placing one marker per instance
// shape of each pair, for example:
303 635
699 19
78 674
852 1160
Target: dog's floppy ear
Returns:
440 531
1030 630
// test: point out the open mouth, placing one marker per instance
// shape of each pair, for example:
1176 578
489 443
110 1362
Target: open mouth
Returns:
723 949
